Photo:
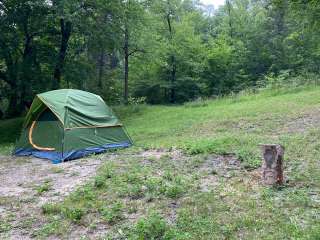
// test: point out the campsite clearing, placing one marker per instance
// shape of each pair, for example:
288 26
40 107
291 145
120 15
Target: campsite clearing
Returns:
195 175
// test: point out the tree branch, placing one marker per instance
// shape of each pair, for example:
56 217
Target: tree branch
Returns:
136 50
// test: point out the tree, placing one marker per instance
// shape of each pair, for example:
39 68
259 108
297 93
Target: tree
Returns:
132 20
23 23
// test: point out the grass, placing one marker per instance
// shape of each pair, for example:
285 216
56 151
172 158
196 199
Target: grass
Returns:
163 197
9 132
44 187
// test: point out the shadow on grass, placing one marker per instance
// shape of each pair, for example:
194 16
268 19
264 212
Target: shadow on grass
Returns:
10 130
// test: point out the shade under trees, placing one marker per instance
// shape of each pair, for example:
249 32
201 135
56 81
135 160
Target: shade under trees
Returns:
166 51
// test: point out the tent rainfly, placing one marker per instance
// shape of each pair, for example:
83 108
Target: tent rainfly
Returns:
67 124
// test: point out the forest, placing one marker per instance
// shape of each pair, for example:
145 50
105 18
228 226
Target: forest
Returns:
154 51
208 125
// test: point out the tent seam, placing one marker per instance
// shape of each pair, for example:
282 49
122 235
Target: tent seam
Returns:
98 126
51 110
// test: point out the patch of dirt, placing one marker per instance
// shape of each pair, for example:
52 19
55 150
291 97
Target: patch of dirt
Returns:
221 164
172 211
216 167
22 179
154 153
304 122
159 153
27 183
151 155
209 182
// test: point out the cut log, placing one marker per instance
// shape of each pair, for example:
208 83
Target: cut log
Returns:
272 167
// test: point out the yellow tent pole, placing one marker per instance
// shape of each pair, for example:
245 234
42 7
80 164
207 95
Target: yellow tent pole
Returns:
33 144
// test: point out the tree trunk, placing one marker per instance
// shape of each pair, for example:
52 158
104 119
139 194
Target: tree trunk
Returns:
173 80
14 106
173 65
65 28
27 74
126 65
10 76
230 20
101 63
272 168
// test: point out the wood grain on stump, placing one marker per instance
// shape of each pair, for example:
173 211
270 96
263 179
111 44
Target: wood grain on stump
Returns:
272 167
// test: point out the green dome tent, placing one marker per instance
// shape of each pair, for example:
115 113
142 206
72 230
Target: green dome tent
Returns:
68 124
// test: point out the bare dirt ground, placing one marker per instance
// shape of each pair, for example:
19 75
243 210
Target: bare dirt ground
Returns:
27 183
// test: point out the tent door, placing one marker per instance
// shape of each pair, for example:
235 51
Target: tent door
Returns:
46 132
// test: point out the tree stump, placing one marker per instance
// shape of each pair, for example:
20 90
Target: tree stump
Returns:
272 167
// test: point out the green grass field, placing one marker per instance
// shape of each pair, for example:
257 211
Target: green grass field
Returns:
166 194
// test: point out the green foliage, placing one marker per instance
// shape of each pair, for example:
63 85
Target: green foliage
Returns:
10 130
70 212
153 227
55 226
112 214
49 208
218 146
136 101
73 213
9 133
187 190
4 226
177 51
45 187
99 181
199 102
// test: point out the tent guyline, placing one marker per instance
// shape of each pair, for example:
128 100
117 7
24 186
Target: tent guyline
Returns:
88 126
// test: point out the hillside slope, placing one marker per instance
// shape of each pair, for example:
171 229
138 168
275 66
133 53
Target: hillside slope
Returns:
230 125
194 174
